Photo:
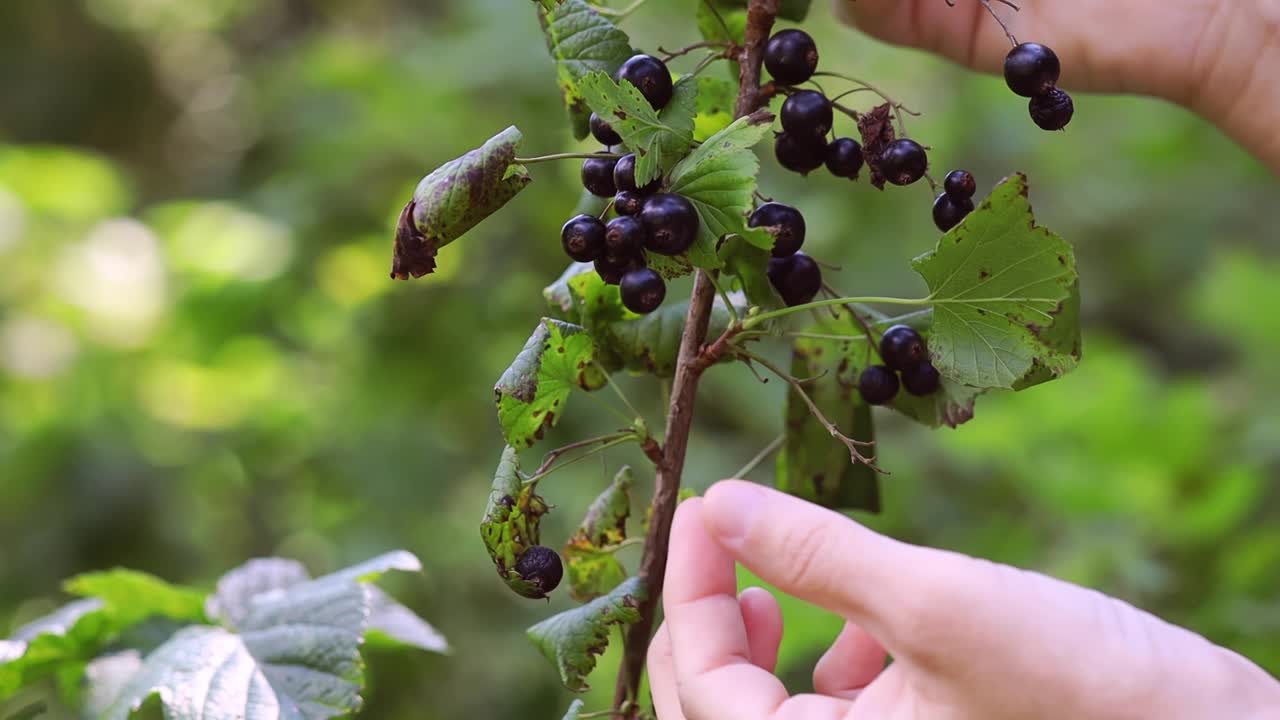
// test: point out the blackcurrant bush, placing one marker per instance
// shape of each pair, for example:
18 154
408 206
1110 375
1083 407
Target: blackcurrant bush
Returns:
785 223
540 566
922 379
643 290
797 278
624 236
672 223
604 132
902 347
807 112
1032 69
904 162
611 268
844 158
960 184
791 57
597 176
628 203
650 76
1053 110
800 153
878 385
949 210
583 238
624 176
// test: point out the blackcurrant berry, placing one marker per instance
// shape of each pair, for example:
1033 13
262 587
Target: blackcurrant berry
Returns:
960 184
1032 69
949 210
904 162
785 223
643 290
878 385
540 566
922 379
902 347
604 132
800 153
844 158
672 223
597 176
611 268
624 236
624 176
650 76
583 238
791 57
628 203
796 278
807 112
1053 110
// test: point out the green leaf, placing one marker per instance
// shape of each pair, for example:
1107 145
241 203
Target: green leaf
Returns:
1000 285
794 10
512 520
549 4
455 198
581 41
593 568
133 596
575 708
717 99
531 394
573 639
659 140
749 265
722 20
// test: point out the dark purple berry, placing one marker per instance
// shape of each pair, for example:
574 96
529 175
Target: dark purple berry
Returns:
541 568
611 268
791 57
785 223
583 238
624 176
844 158
800 153
650 76
878 385
628 203
949 210
597 176
1032 69
643 290
921 380
797 278
960 184
604 132
902 347
624 236
1053 110
904 162
672 223
807 112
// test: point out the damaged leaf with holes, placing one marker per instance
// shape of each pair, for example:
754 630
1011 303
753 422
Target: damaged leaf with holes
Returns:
659 139
573 640
593 566
512 522
533 391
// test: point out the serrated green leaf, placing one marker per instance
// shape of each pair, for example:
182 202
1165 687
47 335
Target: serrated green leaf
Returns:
717 99
575 708
512 520
573 639
133 596
581 41
659 140
593 568
532 393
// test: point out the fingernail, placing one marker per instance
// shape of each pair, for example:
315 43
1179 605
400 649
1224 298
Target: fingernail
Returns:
732 507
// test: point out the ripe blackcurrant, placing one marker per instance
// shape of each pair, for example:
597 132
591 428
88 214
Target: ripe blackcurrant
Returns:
800 153
807 112
650 76
583 238
791 57
949 210
628 203
904 162
902 347
597 176
922 379
878 385
624 176
797 278
611 268
960 184
785 223
1053 110
844 158
643 290
604 132
672 223
624 236
540 566
1032 69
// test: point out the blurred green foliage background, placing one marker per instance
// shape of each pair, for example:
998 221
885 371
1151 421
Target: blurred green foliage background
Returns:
202 358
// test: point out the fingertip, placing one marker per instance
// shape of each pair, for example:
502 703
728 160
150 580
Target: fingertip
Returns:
762 616
729 507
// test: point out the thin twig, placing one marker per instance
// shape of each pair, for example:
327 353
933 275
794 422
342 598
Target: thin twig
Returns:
669 55
550 459
566 156
760 457
719 18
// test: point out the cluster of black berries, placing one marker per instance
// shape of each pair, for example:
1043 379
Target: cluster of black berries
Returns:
1032 71
956 201
795 276
904 353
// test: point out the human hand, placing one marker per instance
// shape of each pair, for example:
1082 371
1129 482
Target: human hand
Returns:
1217 58
969 638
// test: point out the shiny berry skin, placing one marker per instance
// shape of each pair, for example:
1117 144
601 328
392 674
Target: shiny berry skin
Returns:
624 176
921 380
796 278
672 223
650 76
960 184
583 238
878 385
603 132
785 223
611 268
807 112
624 236
541 567
597 176
844 158
904 162
791 57
1053 110
949 210
800 153
902 347
1032 69
643 290
628 203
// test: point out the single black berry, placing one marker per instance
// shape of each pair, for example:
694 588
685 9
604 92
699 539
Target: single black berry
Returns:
672 223
800 153
541 568
628 203
791 57
1032 69
949 210
1053 110
597 176
611 268
604 132
902 347
922 379
785 223
797 278
583 238
904 162
624 176
624 236
807 112
643 290
960 184
650 76
844 158
878 385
